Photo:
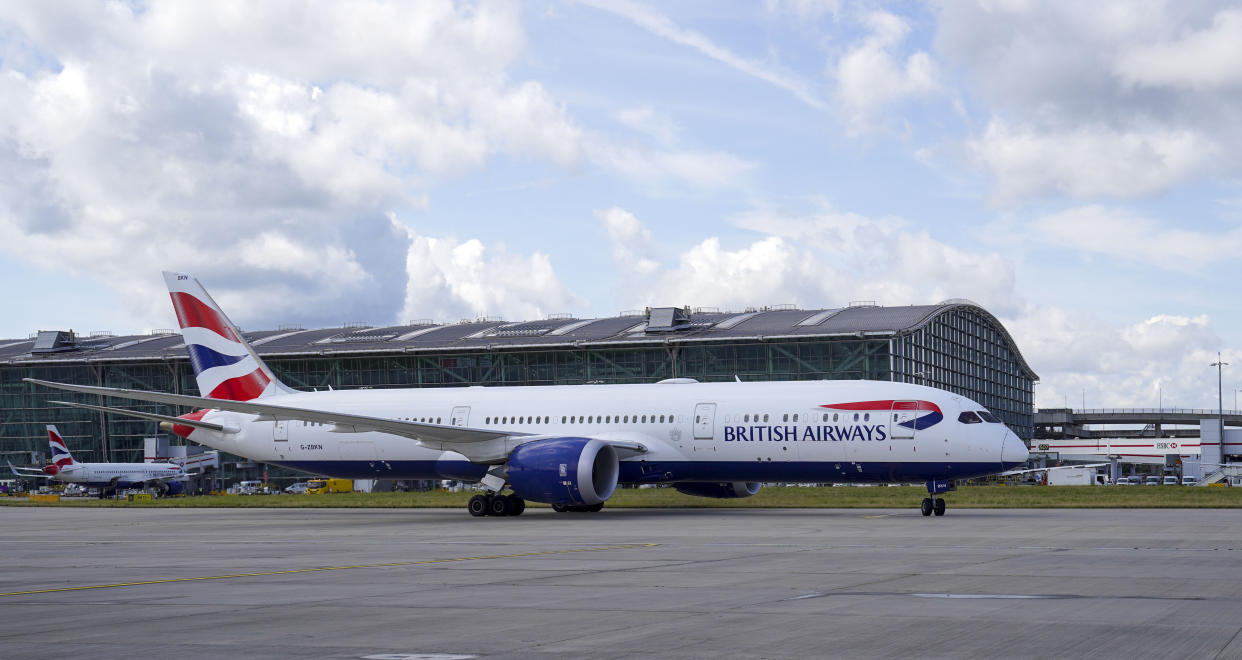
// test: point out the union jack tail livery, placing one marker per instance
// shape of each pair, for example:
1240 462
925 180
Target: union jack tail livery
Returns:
224 364
61 458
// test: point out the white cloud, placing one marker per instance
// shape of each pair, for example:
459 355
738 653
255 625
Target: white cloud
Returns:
263 147
820 259
870 76
633 249
1121 234
1098 99
1161 360
1196 59
451 279
663 27
1087 161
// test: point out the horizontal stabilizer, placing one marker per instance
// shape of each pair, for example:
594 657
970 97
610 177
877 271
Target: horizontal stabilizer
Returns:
181 421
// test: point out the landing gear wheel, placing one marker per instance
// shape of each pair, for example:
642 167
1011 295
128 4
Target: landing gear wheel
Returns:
516 505
595 507
478 506
560 508
499 506
938 507
927 506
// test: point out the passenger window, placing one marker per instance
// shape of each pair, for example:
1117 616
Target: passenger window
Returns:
825 417
866 417
855 417
795 418
786 418
834 416
969 418
661 419
746 418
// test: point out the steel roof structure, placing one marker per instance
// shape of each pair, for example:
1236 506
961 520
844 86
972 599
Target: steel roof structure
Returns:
655 326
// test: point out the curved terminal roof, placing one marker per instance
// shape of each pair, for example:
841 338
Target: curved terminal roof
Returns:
656 326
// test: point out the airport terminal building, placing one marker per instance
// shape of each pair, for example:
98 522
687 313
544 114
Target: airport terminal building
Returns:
955 345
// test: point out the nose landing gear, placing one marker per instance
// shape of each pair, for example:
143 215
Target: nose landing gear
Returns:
937 505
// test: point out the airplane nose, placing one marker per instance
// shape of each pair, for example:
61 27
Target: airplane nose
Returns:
1013 450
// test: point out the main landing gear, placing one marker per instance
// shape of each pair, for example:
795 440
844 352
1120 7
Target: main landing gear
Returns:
496 505
936 505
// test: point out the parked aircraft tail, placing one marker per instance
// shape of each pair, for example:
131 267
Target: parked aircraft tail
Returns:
225 366
61 458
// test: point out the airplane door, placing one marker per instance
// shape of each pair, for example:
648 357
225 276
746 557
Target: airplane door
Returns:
280 437
461 416
704 421
902 420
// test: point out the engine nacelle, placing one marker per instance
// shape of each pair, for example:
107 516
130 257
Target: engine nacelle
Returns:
571 471
727 491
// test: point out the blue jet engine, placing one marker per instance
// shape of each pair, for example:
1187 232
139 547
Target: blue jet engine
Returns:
566 471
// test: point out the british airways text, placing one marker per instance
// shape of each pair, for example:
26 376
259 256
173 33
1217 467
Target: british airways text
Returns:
807 433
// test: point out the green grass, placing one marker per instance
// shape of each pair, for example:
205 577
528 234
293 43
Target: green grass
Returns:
968 497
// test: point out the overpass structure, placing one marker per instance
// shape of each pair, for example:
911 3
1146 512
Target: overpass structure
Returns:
1199 440
1061 423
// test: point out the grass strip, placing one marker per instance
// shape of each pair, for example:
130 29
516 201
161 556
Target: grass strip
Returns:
967 497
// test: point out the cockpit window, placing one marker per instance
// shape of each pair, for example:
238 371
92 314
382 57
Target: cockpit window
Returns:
969 418
988 417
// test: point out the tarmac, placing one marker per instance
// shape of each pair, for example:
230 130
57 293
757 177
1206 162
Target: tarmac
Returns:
721 583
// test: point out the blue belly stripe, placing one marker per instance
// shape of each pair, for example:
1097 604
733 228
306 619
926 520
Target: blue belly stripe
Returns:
634 472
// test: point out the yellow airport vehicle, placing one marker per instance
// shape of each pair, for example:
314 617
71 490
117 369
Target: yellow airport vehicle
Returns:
319 486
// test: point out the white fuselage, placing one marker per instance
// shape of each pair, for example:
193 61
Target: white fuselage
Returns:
764 431
121 474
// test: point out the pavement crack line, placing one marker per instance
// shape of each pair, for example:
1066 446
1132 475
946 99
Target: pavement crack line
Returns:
320 569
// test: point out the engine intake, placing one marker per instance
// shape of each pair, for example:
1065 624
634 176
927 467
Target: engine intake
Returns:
726 491
572 471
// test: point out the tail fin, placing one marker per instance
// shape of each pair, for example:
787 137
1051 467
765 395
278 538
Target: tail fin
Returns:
225 366
61 457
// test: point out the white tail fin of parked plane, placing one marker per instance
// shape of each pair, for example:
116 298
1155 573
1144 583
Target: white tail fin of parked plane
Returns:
225 366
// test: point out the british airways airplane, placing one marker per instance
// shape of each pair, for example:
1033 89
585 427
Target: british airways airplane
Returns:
571 445
169 478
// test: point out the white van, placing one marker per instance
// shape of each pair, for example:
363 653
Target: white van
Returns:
1170 480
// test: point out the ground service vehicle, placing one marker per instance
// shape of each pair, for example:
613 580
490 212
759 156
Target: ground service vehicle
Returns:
320 486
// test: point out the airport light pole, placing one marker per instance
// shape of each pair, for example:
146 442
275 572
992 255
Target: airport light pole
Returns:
1220 401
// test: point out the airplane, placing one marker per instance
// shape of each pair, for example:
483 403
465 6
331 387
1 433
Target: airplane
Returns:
570 446
167 478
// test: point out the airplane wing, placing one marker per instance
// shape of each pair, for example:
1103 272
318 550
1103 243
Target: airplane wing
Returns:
1011 473
180 421
26 472
428 434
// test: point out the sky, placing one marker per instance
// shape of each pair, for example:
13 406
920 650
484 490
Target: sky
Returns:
1072 167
